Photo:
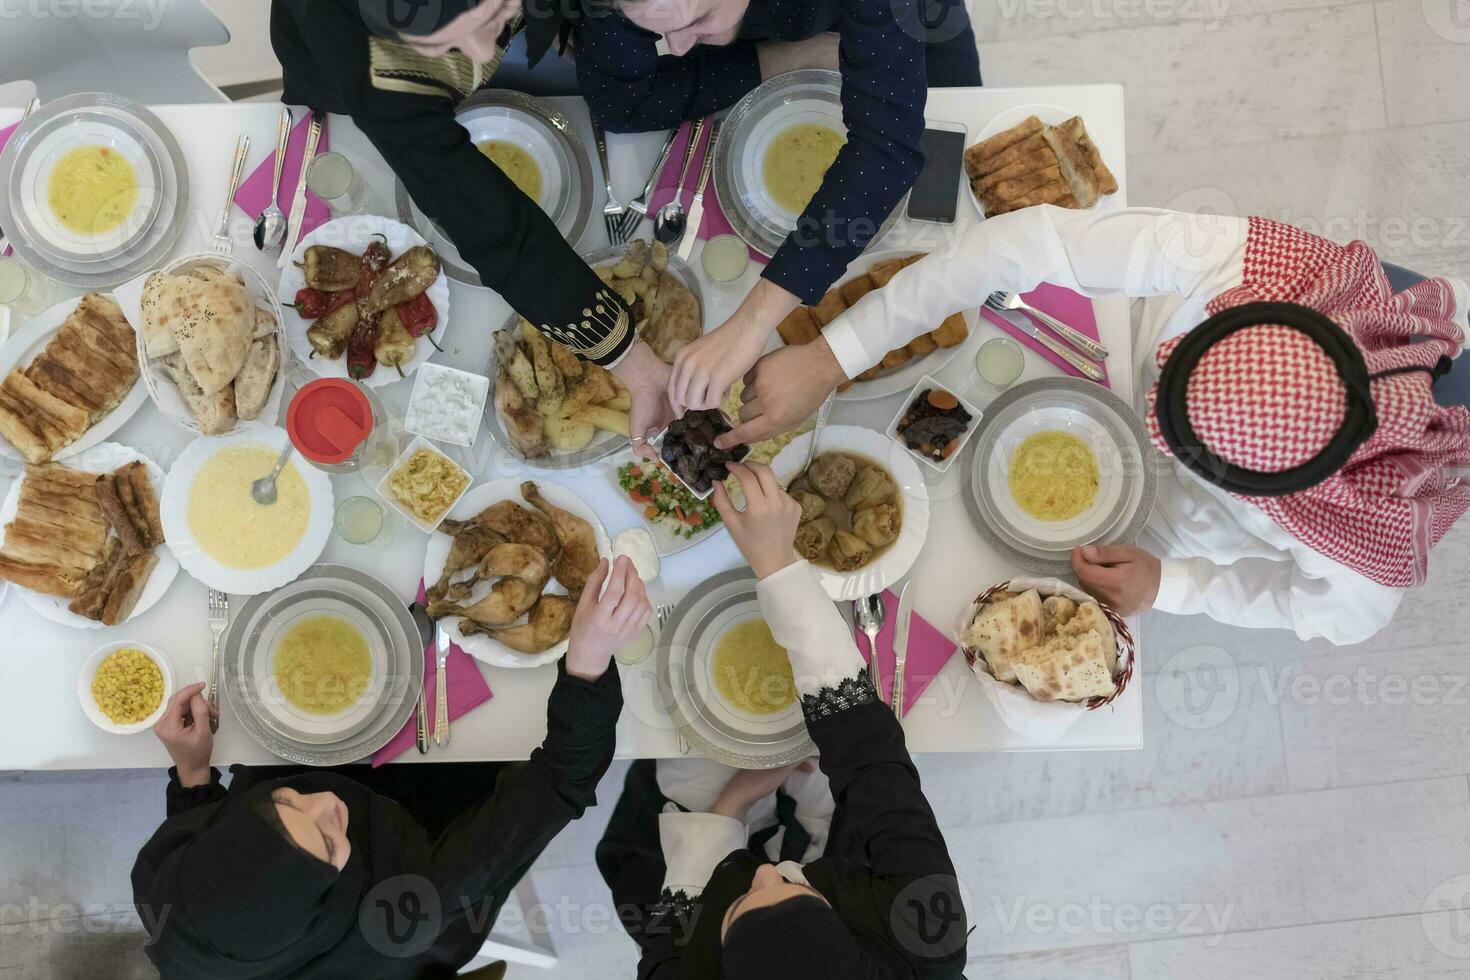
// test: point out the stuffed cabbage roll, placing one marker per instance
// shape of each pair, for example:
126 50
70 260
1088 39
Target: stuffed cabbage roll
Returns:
813 505
878 525
848 552
831 474
869 488
813 537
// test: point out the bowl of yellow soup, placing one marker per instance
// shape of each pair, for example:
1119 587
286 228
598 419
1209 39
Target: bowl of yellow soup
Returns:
223 537
324 670
775 148
1056 463
724 682
124 686
89 191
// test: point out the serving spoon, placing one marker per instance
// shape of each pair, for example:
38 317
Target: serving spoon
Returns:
270 227
671 220
263 491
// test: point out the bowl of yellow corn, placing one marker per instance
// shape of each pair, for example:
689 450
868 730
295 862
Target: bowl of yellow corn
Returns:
124 686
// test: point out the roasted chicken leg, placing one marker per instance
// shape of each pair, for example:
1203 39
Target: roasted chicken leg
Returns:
550 623
513 522
578 555
509 600
471 544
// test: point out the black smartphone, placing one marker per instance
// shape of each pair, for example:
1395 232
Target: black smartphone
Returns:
935 195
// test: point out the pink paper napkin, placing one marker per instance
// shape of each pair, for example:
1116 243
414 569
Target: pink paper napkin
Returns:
5 138
929 651
254 193
467 690
1073 309
715 223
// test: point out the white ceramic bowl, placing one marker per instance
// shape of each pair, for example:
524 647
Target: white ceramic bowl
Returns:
89 704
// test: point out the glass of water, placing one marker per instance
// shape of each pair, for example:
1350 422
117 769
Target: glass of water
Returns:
23 290
334 179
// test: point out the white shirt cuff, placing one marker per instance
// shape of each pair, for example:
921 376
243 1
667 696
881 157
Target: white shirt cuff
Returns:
804 621
694 844
1174 585
1461 315
846 347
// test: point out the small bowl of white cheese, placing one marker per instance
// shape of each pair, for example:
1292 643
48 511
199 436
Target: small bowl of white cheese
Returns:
447 404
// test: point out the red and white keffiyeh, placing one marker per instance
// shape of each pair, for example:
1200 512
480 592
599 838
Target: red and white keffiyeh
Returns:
1267 398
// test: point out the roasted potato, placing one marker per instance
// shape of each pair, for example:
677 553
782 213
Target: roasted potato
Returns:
568 433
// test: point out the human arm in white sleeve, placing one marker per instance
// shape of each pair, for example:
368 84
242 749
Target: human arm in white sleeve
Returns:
804 621
1136 251
1258 593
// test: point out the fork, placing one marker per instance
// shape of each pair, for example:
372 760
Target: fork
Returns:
219 618
661 615
222 243
1002 300
612 210
638 209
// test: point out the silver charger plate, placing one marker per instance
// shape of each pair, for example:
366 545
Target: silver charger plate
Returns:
801 96
572 207
398 667
153 247
603 443
1121 517
713 727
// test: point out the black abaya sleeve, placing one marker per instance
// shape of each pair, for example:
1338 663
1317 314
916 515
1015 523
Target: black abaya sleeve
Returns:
480 857
181 799
323 47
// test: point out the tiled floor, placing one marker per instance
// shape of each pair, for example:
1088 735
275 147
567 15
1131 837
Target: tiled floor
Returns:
1299 811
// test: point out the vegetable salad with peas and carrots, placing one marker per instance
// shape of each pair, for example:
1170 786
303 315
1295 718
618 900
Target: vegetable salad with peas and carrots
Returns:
665 502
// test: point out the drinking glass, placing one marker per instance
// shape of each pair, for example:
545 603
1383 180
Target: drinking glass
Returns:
334 179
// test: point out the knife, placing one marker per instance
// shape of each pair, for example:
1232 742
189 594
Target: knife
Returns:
1023 323
696 210
901 645
421 712
441 694
298 203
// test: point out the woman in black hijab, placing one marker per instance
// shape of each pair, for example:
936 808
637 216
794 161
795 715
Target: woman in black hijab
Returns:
316 875
714 881
400 68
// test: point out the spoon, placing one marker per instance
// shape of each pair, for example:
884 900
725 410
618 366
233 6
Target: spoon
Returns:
671 220
869 613
270 227
263 491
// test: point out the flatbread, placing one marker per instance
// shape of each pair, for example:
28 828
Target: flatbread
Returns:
212 319
1066 668
1056 611
1089 616
1005 629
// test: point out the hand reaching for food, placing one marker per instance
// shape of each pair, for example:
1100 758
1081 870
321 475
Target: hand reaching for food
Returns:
647 380
705 369
764 531
1124 577
784 389
613 608
184 732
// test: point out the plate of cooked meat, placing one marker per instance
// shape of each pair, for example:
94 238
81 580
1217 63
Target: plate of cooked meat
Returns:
82 540
1037 154
365 297
505 568
70 380
864 509
900 369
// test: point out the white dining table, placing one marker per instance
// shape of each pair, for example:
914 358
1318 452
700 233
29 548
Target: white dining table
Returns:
41 722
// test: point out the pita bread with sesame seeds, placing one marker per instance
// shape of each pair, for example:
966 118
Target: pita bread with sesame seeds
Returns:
210 317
